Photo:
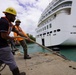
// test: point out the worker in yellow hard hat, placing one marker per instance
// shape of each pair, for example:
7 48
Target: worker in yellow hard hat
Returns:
10 13
6 27
21 40
10 10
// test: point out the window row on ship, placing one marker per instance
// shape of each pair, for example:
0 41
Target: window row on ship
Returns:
57 2
44 28
48 33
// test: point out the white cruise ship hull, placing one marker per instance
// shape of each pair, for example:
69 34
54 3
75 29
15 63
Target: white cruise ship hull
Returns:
63 26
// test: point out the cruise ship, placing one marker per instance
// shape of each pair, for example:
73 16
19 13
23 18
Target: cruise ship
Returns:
57 24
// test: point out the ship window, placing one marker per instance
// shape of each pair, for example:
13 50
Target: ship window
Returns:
47 32
73 32
49 12
68 11
46 14
54 34
50 26
54 30
58 30
44 33
50 31
54 15
37 35
44 28
40 34
47 26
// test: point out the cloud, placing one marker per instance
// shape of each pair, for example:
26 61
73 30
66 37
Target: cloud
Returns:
29 12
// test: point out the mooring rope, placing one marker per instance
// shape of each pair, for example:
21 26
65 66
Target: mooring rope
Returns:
53 52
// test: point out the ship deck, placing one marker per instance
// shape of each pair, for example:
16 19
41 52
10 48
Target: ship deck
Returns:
43 64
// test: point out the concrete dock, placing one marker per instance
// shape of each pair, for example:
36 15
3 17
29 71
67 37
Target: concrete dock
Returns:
43 64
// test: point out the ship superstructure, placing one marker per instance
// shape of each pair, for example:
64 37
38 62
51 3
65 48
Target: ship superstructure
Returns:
57 24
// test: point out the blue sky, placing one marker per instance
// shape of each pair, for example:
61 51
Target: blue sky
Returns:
28 11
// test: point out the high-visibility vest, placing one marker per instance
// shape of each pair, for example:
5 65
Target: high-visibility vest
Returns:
15 34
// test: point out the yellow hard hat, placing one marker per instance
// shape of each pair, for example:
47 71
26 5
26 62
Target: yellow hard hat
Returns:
18 21
10 10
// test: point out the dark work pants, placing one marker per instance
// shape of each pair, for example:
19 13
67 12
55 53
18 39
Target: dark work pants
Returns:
24 45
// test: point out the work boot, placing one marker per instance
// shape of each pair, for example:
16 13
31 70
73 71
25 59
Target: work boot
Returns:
16 72
22 73
27 57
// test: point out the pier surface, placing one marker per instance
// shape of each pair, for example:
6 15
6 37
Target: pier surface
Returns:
43 64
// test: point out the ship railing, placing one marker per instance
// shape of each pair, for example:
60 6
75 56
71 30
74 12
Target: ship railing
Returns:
54 9
60 7
58 2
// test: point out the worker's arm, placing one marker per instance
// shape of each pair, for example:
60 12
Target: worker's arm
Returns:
15 35
5 35
20 33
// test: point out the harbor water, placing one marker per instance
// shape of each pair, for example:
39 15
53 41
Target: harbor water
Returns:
69 53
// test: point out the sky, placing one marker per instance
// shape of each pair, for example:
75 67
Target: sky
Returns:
28 11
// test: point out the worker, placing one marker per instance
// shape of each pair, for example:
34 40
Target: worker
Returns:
21 40
6 27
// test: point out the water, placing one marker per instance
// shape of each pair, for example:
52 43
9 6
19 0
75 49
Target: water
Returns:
69 53
33 48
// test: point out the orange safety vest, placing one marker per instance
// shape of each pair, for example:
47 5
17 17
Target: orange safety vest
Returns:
19 29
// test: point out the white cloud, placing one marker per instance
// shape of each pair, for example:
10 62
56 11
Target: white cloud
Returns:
29 12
